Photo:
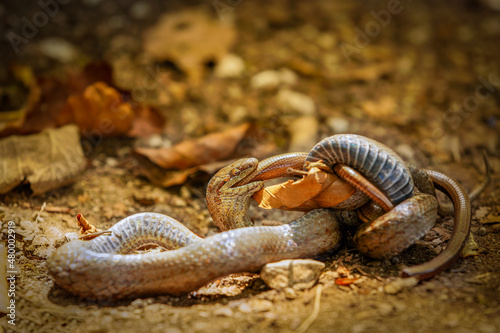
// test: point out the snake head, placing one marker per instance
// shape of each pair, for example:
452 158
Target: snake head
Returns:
227 177
227 202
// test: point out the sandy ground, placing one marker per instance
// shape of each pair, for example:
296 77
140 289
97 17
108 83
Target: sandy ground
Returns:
397 87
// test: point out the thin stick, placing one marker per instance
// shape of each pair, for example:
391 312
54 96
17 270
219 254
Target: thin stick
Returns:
314 314
40 212
95 234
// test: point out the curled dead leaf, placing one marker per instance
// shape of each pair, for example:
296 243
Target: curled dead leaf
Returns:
194 152
318 189
88 230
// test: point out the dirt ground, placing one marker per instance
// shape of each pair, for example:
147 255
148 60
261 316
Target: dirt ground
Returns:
415 83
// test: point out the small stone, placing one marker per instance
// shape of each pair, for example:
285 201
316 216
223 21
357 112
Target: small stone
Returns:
294 102
287 76
155 141
338 125
397 285
385 309
299 274
111 161
266 80
230 66
245 308
303 132
260 305
290 293
223 311
58 48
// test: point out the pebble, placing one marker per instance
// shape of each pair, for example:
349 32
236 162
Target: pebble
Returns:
303 132
397 285
260 305
224 311
299 274
230 66
271 79
266 80
338 125
290 293
155 141
295 102
111 161
384 309
288 76
58 48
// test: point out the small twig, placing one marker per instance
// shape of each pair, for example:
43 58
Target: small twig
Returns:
295 172
314 314
48 209
94 235
40 212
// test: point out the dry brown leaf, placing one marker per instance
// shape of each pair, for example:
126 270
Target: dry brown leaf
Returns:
99 107
48 160
318 189
160 176
194 152
190 39
102 108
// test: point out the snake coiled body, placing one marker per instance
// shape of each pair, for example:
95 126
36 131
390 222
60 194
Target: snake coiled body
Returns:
103 269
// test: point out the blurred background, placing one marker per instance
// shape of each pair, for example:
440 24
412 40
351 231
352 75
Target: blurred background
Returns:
135 104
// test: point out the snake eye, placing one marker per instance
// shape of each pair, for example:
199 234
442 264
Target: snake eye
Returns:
235 172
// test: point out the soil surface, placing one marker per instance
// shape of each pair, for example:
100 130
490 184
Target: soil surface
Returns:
422 77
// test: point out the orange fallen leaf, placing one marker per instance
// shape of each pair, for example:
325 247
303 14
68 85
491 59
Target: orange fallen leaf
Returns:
85 226
206 149
318 189
101 107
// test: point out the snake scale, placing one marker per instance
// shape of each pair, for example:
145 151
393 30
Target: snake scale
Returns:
104 269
